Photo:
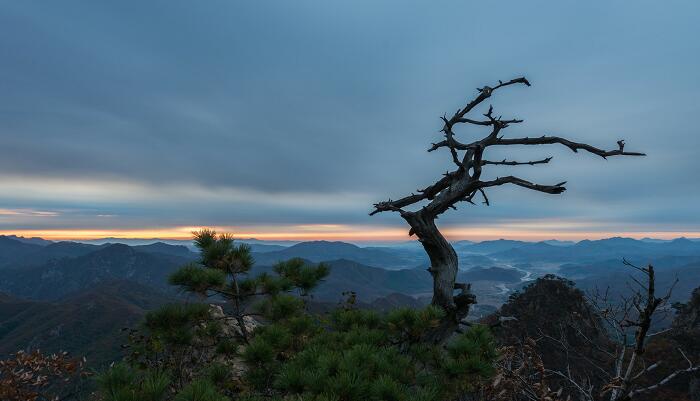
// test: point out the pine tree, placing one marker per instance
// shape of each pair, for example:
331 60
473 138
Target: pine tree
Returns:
278 350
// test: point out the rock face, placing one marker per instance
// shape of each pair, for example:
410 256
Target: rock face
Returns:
231 329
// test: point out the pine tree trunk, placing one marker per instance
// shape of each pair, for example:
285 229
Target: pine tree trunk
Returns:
443 268
443 265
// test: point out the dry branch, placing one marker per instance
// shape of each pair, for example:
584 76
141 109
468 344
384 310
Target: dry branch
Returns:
463 183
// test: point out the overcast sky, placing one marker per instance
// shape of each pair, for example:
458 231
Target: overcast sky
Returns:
281 118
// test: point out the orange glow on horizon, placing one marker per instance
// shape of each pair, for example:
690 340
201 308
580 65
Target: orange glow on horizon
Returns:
344 233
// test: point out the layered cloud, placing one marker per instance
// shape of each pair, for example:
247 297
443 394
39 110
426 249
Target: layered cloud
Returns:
273 117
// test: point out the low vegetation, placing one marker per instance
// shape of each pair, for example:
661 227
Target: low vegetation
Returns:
263 344
35 376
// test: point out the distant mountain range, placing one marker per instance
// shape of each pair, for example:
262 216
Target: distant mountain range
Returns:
319 251
93 265
75 295
28 240
88 323
611 248
399 255
20 253
51 272
46 270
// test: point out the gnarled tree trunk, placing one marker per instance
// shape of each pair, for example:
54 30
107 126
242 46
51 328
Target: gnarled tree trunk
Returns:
443 258
444 265
462 184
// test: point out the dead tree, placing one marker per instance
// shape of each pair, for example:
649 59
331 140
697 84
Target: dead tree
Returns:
635 313
628 322
612 367
461 185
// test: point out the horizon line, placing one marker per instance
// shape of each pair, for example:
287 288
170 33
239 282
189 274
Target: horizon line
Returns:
393 236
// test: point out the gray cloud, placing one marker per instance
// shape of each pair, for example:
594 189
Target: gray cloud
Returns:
326 98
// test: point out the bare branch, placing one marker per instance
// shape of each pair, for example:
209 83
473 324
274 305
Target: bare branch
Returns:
504 162
484 93
574 146
486 198
426 193
458 117
550 189
394 206
664 381
632 265
660 332
503 123
587 394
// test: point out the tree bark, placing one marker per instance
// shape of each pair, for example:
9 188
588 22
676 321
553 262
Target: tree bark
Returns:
444 265
443 259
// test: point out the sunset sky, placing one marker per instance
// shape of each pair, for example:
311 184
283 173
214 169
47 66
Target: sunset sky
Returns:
288 120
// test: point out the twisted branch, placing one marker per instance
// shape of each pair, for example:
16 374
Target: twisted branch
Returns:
504 162
574 146
463 183
550 189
